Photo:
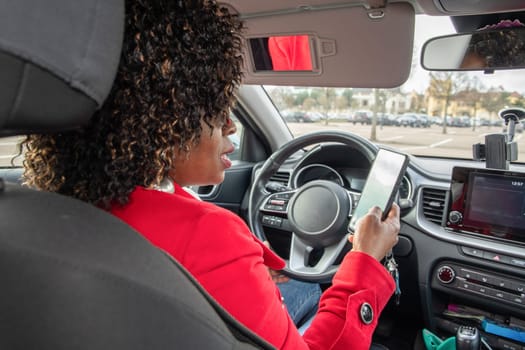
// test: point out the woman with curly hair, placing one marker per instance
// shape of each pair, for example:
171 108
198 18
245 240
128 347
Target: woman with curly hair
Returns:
164 126
496 45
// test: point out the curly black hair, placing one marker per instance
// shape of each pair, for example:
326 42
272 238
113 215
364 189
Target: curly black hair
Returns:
499 48
181 64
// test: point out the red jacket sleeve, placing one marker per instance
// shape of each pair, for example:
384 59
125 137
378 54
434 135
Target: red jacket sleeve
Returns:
338 325
229 262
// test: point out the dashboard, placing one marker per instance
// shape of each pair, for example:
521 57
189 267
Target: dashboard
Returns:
443 265
347 177
343 165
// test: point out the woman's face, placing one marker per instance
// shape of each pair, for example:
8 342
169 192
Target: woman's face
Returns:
207 161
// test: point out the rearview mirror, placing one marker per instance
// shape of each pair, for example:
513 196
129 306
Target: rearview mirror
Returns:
486 50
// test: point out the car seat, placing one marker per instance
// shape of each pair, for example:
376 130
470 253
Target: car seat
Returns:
74 276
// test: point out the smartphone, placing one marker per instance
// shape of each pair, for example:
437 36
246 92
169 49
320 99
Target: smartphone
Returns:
382 184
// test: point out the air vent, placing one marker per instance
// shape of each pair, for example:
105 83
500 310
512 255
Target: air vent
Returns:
205 190
434 204
281 177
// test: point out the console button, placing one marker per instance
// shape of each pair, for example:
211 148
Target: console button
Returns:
500 295
508 345
517 262
485 279
472 252
481 289
467 286
497 257
501 283
469 274
517 287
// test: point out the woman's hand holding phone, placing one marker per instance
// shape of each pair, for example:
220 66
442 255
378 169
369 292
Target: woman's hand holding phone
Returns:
374 236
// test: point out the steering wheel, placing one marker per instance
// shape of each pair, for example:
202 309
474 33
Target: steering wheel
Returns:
316 214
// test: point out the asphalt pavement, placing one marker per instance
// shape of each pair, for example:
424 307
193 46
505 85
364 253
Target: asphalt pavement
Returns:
455 143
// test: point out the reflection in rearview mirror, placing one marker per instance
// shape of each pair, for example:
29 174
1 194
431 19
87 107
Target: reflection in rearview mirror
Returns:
282 53
481 50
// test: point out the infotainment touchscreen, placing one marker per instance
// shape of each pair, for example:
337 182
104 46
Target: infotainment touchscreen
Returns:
489 202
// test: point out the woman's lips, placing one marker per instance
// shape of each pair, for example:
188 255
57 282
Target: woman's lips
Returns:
224 157
226 161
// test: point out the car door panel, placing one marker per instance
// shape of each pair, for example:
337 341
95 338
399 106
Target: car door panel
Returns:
230 193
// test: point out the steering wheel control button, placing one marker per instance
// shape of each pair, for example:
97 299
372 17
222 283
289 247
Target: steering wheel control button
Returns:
446 274
277 203
284 195
367 313
274 221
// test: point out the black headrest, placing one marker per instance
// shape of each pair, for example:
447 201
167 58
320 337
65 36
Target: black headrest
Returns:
42 89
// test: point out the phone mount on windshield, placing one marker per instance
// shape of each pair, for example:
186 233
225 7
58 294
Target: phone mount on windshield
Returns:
500 149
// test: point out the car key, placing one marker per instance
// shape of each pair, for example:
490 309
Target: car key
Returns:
391 266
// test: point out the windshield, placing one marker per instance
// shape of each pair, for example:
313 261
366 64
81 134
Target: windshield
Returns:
417 117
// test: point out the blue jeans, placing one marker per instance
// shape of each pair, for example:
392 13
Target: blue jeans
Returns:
301 299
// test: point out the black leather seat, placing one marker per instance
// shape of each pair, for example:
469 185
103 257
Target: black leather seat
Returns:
73 276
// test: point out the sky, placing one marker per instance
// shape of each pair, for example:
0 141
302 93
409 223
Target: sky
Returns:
511 80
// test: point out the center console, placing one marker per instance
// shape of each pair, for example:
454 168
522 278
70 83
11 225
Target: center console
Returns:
487 202
483 287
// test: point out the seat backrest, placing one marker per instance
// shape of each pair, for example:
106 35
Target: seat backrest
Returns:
74 276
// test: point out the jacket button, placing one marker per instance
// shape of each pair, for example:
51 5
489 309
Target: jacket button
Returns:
366 313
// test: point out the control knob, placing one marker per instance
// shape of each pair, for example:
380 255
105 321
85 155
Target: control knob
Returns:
446 274
455 217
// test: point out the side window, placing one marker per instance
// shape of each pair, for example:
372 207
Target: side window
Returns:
9 154
236 138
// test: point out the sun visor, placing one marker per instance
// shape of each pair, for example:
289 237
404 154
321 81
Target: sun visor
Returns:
339 47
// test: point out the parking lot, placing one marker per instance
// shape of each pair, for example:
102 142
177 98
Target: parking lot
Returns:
457 142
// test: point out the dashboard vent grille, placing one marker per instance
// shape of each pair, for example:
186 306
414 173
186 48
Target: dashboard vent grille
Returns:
434 204
281 177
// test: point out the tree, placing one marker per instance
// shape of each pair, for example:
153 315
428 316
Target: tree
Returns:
300 97
417 102
342 103
380 97
326 100
443 86
348 95
308 103
494 100
472 96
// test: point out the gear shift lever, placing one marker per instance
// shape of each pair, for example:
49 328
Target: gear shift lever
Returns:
468 338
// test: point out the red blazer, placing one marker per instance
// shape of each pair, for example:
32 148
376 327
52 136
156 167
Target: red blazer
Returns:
217 247
290 52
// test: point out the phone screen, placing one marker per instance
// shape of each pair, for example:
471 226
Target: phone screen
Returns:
382 184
